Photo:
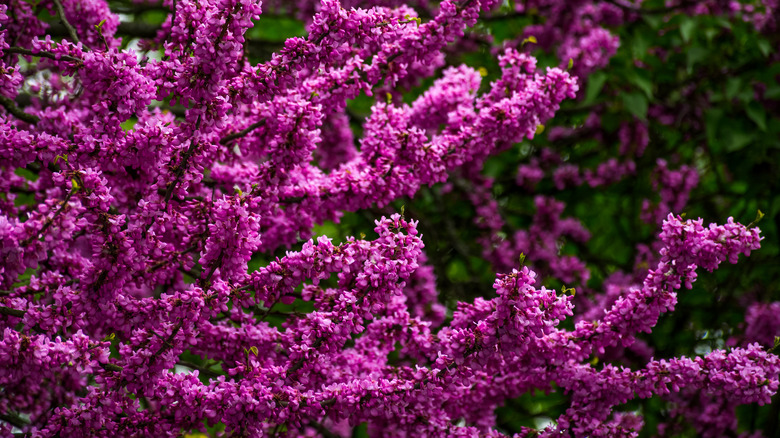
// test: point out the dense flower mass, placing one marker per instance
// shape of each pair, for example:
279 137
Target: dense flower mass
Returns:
164 189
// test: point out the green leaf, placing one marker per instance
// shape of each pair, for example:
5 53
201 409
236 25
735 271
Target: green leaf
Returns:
712 119
654 21
26 174
24 199
687 27
596 82
457 271
757 114
642 81
530 39
695 55
772 92
129 124
737 139
24 279
636 104
764 46
639 45
610 122
733 85
723 22
360 431
276 28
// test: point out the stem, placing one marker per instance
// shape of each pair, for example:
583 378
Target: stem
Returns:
167 342
48 223
230 137
14 420
180 169
71 30
217 264
12 312
111 367
162 263
17 112
267 311
42 54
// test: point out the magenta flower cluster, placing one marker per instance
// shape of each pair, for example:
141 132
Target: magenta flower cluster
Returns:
125 249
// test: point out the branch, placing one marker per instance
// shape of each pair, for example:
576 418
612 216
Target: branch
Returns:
230 137
42 54
258 47
14 420
12 312
217 264
166 343
179 172
111 367
17 112
71 30
62 204
135 29
162 263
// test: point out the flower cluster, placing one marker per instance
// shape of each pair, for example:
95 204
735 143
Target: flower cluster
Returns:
161 271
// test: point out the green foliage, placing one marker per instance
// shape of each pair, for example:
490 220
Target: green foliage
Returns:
276 29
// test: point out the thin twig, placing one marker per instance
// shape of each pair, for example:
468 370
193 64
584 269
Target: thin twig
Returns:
217 264
167 342
63 204
162 263
180 169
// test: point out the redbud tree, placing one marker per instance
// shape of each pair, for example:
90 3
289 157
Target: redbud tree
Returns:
362 218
